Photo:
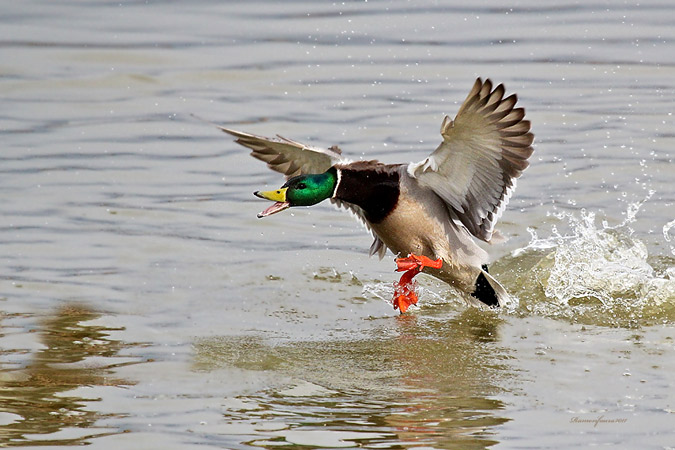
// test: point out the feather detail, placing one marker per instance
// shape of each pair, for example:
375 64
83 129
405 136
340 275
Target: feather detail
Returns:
287 156
484 150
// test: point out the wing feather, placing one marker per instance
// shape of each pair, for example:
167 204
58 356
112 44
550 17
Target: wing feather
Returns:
287 156
293 158
377 247
484 150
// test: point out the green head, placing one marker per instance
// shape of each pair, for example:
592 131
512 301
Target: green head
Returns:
303 190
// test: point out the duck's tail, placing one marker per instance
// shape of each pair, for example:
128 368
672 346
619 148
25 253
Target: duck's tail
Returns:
489 290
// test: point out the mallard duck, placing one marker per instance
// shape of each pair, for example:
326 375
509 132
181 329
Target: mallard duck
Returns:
428 213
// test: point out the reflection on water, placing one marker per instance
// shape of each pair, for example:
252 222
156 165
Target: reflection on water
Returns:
426 379
37 397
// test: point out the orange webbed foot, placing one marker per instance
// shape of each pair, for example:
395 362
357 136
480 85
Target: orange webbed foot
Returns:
417 262
403 301
404 290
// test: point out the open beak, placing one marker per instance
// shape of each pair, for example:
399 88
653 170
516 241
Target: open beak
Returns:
278 196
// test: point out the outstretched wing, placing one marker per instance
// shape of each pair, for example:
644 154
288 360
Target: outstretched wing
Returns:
292 158
484 150
286 156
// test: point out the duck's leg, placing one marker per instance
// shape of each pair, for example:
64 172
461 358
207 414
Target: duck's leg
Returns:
404 290
417 262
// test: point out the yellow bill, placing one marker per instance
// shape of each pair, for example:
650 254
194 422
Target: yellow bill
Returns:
278 196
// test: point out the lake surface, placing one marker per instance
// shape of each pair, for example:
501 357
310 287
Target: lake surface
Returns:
143 305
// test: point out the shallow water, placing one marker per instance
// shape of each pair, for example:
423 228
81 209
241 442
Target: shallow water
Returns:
142 303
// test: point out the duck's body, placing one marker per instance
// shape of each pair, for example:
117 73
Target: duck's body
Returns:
409 219
434 208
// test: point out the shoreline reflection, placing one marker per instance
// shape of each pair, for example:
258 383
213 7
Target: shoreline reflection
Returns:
37 396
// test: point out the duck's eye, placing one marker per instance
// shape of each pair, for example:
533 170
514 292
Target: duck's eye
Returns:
302 186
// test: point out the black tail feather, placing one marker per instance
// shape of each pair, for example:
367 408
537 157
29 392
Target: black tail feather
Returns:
484 291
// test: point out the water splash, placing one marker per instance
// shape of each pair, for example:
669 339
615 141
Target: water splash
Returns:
666 235
603 263
435 293
589 273
596 273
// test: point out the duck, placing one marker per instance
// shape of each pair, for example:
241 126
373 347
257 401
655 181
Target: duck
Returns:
429 214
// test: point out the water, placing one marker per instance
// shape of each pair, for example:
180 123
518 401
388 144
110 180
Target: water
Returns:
143 305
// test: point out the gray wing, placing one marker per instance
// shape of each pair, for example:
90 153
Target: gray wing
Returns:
484 150
292 158
286 156
377 247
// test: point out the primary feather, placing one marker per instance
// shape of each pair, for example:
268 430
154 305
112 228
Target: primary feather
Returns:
286 156
484 150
